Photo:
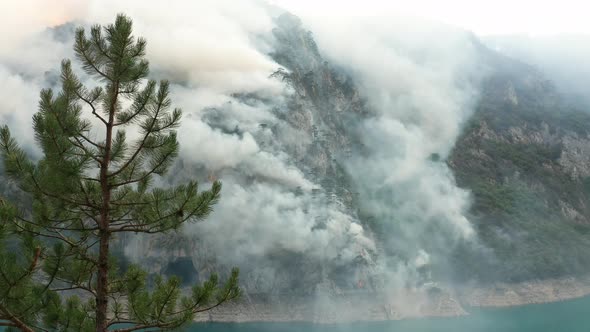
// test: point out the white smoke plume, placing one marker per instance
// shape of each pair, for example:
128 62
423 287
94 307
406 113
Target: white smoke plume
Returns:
211 50
420 82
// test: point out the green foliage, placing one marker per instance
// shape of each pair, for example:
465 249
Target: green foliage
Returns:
519 187
529 158
518 217
85 191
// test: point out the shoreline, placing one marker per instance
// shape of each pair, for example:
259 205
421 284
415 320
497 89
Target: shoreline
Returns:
405 305
501 295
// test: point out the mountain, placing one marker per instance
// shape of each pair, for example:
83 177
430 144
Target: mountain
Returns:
492 186
310 130
522 155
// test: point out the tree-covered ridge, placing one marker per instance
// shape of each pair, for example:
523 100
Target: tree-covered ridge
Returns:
91 185
521 156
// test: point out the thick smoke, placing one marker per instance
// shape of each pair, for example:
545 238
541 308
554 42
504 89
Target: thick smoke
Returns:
213 55
419 81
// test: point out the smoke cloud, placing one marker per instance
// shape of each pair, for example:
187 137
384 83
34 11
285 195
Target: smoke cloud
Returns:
419 80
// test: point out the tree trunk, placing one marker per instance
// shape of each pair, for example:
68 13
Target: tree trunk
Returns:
102 287
102 284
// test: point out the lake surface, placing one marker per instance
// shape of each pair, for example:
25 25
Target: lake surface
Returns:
567 316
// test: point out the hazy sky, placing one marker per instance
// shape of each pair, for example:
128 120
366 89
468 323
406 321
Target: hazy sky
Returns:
483 17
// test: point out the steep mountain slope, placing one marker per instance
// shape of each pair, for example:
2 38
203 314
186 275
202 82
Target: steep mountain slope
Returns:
308 128
525 157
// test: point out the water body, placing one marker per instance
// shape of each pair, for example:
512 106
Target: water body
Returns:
567 316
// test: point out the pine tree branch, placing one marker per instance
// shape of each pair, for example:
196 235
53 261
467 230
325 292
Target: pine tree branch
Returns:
98 41
132 116
145 175
81 146
168 296
150 202
53 274
49 236
77 285
89 62
55 228
63 289
90 179
142 143
70 243
228 296
15 320
32 177
142 229
90 103
28 272
155 225
8 282
79 143
163 326
93 218
87 197
118 220
41 190
91 142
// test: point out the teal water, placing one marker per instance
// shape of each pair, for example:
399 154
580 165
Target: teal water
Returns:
567 316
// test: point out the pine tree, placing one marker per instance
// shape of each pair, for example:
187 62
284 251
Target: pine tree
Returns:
56 272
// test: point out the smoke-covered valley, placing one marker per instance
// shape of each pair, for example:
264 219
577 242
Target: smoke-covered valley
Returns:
338 144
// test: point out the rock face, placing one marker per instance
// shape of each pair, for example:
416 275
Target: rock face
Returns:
324 101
